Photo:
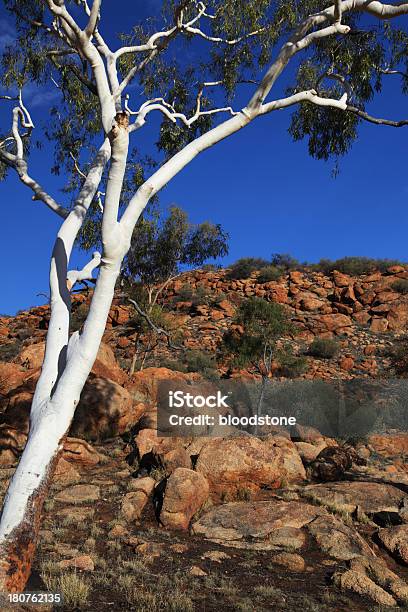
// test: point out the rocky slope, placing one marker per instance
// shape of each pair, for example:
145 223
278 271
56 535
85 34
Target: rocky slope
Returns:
286 519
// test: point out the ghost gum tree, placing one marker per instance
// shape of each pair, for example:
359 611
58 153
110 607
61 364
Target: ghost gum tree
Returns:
341 51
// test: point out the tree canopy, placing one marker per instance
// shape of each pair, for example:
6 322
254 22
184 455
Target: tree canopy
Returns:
162 247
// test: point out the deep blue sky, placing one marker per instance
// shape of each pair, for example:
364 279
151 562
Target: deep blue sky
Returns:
265 191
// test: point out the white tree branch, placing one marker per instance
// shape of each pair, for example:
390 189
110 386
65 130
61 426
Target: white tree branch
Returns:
22 116
93 18
75 276
310 95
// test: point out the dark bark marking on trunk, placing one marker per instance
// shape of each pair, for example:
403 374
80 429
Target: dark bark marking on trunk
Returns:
59 255
17 552
62 362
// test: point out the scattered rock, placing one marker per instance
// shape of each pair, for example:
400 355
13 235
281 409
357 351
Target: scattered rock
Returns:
290 561
197 571
150 549
65 474
186 492
77 514
134 502
118 531
78 494
80 452
83 563
215 555
179 548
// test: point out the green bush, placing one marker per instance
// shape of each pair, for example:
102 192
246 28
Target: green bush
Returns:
244 267
9 351
285 261
193 361
78 316
400 285
290 365
324 348
270 273
399 357
197 297
355 266
201 362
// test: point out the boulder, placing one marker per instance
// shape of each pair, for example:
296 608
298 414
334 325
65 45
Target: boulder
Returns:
395 540
32 357
311 304
258 525
12 443
398 317
134 502
230 464
80 452
11 377
370 577
105 410
185 494
144 385
227 307
362 585
105 364
378 325
65 474
333 322
337 539
118 315
341 280
370 497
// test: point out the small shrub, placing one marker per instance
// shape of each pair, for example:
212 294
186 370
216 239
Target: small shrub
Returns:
270 273
74 588
201 362
173 364
9 351
285 261
244 267
211 267
197 297
78 316
324 348
292 366
355 266
399 357
400 285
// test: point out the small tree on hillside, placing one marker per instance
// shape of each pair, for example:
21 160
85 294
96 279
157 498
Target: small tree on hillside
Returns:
161 250
263 324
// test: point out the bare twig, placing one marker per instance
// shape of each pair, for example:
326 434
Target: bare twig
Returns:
158 330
